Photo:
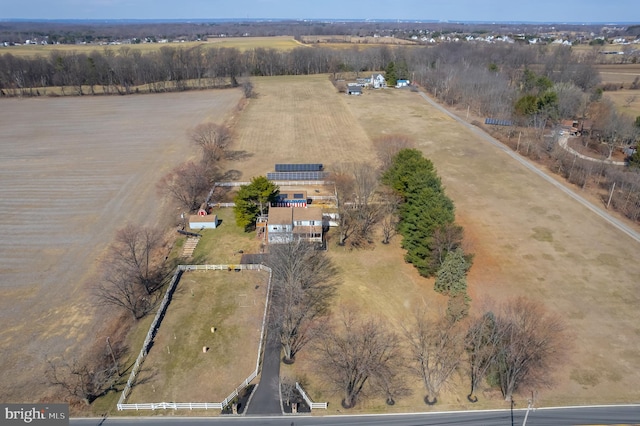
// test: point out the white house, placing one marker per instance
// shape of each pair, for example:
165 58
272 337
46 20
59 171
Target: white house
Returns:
378 81
286 224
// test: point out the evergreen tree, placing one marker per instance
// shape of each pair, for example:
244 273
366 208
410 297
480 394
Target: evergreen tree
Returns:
253 199
390 74
451 278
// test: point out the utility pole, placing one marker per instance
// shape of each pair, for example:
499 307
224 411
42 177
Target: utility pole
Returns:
611 194
524 422
113 357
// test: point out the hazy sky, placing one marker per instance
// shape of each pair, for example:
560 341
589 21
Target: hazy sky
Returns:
452 10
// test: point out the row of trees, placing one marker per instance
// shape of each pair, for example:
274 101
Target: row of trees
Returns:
427 224
133 271
512 347
481 75
172 68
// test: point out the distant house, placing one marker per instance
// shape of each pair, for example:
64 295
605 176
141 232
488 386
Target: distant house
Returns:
353 89
286 224
378 81
569 127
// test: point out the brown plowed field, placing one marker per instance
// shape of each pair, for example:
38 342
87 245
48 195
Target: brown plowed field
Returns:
72 171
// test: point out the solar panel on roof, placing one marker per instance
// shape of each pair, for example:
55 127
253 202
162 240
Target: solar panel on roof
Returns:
306 167
297 175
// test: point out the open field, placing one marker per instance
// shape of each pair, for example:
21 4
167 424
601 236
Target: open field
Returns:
240 43
73 170
298 120
623 74
233 303
621 99
528 237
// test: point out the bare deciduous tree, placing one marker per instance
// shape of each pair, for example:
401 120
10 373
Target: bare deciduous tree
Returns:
119 290
355 186
133 269
304 284
482 344
533 342
82 380
213 139
186 184
436 348
287 390
446 238
389 212
388 146
135 251
355 353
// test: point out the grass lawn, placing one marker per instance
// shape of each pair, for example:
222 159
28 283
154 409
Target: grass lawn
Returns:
528 238
223 245
233 303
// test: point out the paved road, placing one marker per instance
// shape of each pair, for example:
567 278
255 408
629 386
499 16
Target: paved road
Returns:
602 415
597 210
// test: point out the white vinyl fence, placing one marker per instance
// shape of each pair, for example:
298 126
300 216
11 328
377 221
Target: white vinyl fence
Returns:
311 404
155 325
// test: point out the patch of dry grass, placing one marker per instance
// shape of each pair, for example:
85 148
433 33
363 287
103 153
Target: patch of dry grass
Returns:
176 368
528 239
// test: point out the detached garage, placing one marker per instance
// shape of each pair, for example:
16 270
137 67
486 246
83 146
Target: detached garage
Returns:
209 221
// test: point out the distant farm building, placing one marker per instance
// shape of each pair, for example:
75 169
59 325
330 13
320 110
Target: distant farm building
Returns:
353 89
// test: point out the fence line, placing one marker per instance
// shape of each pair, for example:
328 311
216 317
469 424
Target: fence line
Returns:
311 404
154 328
311 197
277 182
150 334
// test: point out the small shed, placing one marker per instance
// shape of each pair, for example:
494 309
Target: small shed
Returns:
209 221
402 83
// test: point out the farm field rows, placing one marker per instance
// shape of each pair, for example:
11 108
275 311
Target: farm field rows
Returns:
73 170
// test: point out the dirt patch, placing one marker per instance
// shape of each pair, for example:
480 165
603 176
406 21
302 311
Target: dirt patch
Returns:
73 171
